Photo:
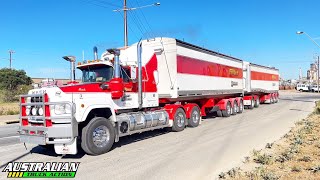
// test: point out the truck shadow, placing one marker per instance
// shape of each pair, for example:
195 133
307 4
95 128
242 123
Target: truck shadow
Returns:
139 137
123 141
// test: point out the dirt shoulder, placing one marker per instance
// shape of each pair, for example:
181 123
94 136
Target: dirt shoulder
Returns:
9 108
295 156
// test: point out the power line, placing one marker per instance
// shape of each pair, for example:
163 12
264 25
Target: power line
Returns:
101 3
130 27
138 22
141 12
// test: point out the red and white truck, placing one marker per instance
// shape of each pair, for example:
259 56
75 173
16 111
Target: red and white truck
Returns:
153 84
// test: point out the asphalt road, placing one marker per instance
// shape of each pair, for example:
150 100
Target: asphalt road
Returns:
218 144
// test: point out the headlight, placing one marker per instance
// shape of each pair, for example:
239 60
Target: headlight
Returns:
34 111
59 109
40 111
28 110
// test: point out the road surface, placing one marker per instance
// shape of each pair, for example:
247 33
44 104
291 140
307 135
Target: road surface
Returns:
218 144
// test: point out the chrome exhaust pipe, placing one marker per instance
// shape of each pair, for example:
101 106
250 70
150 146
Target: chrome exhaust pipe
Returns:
139 52
95 53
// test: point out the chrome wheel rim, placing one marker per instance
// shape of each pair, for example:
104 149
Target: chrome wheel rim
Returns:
195 117
235 109
228 109
180 119
101 136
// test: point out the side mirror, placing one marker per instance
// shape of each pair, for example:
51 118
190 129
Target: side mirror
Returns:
104 86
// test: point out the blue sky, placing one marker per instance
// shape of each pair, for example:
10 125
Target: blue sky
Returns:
42 31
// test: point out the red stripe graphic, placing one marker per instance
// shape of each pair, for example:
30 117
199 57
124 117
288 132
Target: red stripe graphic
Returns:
187 65
264 76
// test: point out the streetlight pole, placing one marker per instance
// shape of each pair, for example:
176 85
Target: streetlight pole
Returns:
125 9
301 32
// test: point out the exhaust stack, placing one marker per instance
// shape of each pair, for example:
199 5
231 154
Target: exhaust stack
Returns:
95 53
116 53
139 52
72 60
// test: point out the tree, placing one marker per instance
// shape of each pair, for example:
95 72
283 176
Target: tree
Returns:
10 79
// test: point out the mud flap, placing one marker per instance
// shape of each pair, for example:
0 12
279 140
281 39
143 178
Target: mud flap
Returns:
70 148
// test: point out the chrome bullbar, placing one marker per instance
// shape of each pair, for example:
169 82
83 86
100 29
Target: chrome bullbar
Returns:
43 127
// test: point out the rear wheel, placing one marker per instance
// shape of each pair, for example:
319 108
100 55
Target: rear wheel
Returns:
179 120
235 108
227 112
241 107
271 99
257 102
195 117
251 106
219 113
97 136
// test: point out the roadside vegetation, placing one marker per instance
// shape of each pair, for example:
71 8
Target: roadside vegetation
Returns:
12 84
295 156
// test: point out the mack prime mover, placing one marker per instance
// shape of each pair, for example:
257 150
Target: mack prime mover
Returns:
153 84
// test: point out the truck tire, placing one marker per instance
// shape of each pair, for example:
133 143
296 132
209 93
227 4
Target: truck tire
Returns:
195 117
97 136
257 102
179 120
235 108
219 113
271 99
228 111
251 106
241 107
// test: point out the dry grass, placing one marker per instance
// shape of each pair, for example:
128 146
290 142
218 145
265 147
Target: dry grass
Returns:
295 156
9 108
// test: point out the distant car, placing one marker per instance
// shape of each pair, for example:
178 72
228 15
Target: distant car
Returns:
314 88
302 87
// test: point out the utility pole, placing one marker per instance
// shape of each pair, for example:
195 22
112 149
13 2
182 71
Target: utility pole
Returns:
318 74
125 23
10 57
125 9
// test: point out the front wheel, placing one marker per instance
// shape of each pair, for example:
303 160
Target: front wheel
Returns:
97 136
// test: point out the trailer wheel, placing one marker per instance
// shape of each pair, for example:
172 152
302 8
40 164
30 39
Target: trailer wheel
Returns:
97 136
179 120
271 99
219 113
227 112
251 106
257 102
195 117
235 108
241 106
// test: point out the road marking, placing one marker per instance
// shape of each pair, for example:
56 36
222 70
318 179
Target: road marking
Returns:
9 137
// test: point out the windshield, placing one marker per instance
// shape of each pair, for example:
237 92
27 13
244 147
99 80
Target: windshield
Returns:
97 73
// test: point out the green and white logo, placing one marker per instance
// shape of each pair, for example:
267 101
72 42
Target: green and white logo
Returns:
41 169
